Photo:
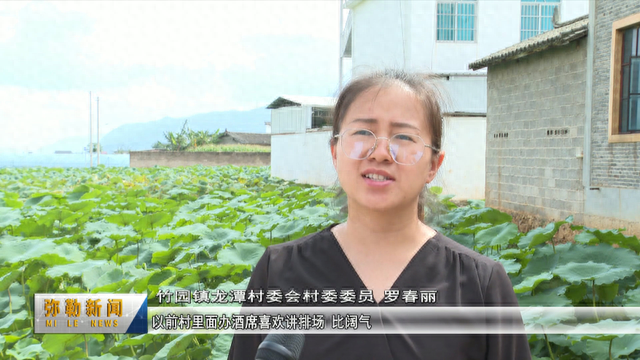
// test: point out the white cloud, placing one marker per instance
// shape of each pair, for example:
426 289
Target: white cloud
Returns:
7 28
35 118
147 60
193 34
244 17
12 6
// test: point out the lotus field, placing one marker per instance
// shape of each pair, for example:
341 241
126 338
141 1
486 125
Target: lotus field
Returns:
124 230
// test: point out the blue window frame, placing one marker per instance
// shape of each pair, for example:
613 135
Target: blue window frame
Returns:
456 21
536 17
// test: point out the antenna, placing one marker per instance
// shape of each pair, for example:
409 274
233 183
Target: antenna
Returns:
90 135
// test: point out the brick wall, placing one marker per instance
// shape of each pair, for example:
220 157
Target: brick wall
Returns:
141 159
614 165
535 125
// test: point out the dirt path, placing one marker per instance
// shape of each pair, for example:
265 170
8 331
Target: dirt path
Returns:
527 222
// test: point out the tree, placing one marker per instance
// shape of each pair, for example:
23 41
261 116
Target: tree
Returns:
187 139
93 147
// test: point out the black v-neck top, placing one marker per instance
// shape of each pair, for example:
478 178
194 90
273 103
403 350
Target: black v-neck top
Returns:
460 276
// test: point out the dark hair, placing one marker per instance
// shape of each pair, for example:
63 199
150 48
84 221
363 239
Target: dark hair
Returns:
423 87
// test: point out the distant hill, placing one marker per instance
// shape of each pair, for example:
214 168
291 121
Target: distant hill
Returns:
142 136
75 144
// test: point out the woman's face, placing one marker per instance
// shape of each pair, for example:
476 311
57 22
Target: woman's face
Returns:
385 111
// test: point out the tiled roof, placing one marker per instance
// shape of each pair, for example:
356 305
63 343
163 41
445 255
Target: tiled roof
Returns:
563 34
297 100
249 138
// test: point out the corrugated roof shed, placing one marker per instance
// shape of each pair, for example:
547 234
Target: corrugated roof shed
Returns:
299 100
563 34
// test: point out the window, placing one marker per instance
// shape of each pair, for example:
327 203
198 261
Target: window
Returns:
456 21
536 17
630 77
624 90
320 117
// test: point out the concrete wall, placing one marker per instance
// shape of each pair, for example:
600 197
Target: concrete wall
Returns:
402 34
612 177
381 28
292 119
377 36
532 165
141 159
498 26
573 9
467 93
304 158
462 172
62 160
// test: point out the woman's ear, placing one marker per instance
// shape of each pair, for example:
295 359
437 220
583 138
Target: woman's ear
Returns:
334 156
435 165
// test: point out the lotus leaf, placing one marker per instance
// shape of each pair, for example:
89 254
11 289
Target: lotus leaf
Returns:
499 235
599 272
241 253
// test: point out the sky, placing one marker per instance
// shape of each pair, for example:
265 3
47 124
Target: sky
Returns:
147 60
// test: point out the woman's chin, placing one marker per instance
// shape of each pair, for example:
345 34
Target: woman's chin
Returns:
379 205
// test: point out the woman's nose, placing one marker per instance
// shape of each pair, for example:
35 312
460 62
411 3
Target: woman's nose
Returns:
381 150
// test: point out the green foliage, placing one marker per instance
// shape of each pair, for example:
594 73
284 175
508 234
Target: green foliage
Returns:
187 139
599 269
140 230
93 147
136 230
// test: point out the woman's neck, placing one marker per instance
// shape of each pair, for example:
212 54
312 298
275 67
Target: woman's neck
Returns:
385 230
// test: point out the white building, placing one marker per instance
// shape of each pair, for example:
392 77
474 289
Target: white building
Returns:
296 114
443 37
300 133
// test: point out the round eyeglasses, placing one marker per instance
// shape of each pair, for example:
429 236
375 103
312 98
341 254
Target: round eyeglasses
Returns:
405 149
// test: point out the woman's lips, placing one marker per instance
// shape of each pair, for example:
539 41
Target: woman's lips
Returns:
377 183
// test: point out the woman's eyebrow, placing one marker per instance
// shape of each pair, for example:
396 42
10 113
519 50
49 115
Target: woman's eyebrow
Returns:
395 124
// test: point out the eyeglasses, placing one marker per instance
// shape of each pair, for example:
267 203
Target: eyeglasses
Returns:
405 149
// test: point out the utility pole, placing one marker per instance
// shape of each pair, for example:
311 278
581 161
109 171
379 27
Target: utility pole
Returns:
90 135
98 126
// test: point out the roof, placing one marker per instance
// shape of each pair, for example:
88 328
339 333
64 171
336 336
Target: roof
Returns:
465 114
299 100
350 4
249 138
563 34
459 73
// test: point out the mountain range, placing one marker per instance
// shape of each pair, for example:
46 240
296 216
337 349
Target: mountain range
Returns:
142 136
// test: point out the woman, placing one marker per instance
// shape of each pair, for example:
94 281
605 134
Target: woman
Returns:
386 148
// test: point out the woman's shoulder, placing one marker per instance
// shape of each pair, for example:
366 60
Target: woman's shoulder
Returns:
478 274
447 248
445 243
309 244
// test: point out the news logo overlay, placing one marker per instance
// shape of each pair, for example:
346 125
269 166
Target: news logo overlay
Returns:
330 311
90 313
265 311
313 312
